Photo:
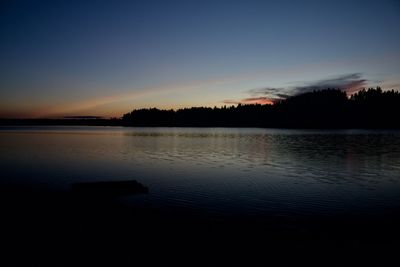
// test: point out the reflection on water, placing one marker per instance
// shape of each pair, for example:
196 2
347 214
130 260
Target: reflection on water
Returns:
216 170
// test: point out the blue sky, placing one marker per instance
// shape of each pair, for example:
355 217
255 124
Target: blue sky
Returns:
107 57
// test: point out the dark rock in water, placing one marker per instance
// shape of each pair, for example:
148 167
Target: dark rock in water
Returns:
109 188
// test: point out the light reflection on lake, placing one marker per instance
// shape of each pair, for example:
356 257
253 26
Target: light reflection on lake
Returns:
216 170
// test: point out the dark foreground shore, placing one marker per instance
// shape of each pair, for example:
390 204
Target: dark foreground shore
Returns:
43 227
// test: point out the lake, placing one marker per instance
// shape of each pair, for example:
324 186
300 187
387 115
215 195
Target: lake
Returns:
216 171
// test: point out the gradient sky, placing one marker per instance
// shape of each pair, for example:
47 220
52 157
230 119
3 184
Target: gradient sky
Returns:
105 58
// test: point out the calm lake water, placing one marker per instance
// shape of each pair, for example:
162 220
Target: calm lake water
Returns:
216 170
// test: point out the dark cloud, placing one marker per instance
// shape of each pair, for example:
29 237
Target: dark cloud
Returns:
269 94
282 95
260 91
349 83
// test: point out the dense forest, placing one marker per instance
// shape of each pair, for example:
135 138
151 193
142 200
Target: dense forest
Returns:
330 108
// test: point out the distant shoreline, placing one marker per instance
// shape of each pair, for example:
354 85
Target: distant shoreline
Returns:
120 123
324 109
61 122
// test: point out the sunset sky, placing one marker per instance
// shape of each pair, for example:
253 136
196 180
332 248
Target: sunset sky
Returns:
105 58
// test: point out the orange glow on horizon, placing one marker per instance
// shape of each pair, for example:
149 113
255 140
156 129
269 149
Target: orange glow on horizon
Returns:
257 100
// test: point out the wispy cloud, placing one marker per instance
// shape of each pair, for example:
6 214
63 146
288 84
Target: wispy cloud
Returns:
249 100
349 83
256 100
98 103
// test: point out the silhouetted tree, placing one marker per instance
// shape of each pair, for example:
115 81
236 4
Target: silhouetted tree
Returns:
330 108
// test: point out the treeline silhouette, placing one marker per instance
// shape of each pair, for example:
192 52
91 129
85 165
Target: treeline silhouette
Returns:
62 122
330 108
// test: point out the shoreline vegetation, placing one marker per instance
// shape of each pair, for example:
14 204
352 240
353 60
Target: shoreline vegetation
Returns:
370 108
